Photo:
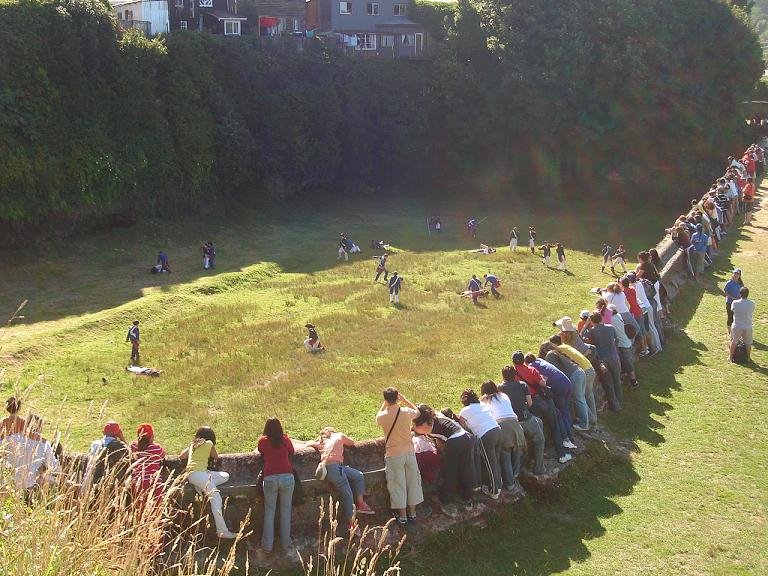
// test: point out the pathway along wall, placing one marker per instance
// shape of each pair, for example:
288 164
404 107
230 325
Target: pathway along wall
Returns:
243 501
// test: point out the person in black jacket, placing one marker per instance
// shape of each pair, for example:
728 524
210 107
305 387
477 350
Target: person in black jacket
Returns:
109 457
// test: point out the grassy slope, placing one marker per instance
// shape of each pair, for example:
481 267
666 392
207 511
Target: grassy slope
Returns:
694 498
229 341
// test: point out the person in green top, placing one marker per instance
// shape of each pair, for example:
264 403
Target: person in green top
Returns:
207 481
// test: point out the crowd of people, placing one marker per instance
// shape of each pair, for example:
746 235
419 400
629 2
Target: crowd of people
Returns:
543 398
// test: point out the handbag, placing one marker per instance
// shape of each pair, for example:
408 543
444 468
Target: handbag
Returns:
393 426
321 471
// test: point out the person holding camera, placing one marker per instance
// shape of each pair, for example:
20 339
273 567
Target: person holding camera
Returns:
400 466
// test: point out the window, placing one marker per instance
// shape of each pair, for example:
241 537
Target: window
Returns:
231 27
295 24
407 40
388 41
366 41
345 7
128 15
373 8
179 3
183 25
399 10
206 3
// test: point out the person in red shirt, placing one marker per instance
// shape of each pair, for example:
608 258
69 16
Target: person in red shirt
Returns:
749 198
637 314
276 450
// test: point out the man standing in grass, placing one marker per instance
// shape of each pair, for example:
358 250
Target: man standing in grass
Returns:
401 469
381 266
732 292
532 239
474 287
133 336
699 241
395 282
560 251
546 250
743 309
606 253
749 198
513 239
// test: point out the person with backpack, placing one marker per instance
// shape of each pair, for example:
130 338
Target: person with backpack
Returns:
401 469
205 481
743 310
532 239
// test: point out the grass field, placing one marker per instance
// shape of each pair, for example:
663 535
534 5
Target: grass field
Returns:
229 341
691 501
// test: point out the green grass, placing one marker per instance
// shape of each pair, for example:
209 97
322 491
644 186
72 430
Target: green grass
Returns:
692 500
229 341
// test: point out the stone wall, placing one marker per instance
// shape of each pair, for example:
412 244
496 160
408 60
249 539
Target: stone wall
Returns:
368 456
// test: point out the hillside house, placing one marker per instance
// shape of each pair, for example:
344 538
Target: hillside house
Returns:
215 16
380 28
149 16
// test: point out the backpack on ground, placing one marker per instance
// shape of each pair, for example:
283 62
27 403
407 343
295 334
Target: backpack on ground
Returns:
740 354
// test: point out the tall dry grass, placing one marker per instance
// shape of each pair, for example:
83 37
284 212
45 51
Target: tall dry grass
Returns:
370 552
65 530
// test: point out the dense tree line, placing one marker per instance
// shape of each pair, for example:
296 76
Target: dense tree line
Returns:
553 94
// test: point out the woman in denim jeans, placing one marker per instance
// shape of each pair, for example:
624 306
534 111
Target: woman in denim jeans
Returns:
349 482
276 450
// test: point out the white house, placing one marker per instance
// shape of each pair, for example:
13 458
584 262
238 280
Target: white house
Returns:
150 16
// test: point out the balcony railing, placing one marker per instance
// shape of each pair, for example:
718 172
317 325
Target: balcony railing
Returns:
142 25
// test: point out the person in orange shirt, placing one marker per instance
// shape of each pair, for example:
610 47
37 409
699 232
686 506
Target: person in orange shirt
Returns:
749 198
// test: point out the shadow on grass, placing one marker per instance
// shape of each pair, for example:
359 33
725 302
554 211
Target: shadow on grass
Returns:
108 269
548 532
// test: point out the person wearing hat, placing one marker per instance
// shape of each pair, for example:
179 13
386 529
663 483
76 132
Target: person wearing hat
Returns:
349 482
494 282
312 342
619 259
532 239
474 288
699 242
560 251
148 458
583 321
395 283
513 236
605 252
133 337
731 290
108 457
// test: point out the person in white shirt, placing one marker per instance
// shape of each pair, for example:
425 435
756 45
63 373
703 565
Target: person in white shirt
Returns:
513 437
743 309
30 457
624 345
478 419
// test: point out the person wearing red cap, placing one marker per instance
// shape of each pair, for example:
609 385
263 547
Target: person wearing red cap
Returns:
148 459
108 457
